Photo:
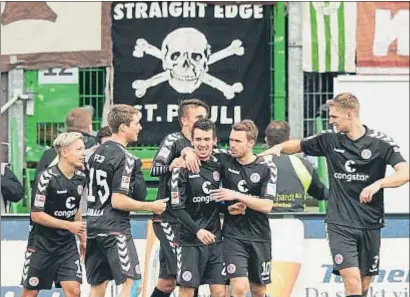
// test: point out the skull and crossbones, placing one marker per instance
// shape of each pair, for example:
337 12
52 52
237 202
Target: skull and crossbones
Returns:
186 55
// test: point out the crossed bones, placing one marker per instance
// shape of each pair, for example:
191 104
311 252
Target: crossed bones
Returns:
143 47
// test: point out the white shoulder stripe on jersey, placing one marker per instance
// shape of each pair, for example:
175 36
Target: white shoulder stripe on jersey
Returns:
174 179
170 139
383 137
44 180
272 168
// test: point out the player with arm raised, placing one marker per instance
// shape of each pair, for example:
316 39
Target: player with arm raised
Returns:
357 157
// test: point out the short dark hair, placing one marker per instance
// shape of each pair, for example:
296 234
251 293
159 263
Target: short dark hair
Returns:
121 114
277 132
184 105
103 132
78 120
204 125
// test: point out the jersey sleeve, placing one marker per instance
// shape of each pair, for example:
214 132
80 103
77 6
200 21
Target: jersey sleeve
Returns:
179 188
122 173
164 156
223 156
393 155
269 181
138 185
41 188
317 145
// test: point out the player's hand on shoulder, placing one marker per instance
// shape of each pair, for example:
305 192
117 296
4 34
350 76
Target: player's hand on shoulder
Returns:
77 227
159 206
177 163
237 209
205 236
275 150
192 162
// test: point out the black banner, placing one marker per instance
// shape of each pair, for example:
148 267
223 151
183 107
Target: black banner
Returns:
168 51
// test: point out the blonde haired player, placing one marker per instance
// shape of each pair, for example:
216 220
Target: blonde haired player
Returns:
52 254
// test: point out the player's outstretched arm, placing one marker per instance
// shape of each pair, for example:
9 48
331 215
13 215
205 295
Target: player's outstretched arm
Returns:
40 217
255 203
260 205
125 203
397 179
289 147
162 161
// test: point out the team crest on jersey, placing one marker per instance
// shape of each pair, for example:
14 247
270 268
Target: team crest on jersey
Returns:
33 281
187 276
366 154
231 268
216 176
338 259
40 200
174 198
80 189
255 177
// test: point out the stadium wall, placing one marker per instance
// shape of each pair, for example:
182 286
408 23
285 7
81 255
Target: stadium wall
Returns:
301 258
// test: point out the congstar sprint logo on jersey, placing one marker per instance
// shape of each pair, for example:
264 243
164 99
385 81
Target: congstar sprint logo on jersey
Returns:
206 190
350 173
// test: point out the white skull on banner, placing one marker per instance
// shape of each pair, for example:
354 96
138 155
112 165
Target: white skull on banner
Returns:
186 55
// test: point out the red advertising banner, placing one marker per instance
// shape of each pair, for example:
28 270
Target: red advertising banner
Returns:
383 37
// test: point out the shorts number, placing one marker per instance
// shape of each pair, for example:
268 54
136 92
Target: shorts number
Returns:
101 180
375 265
77 262
265 268
223 272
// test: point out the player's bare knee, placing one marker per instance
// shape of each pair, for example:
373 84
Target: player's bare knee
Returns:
366 281
29 293
258 290
98 290
186 292
126 287
218 291
352 283
239 288
73 292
